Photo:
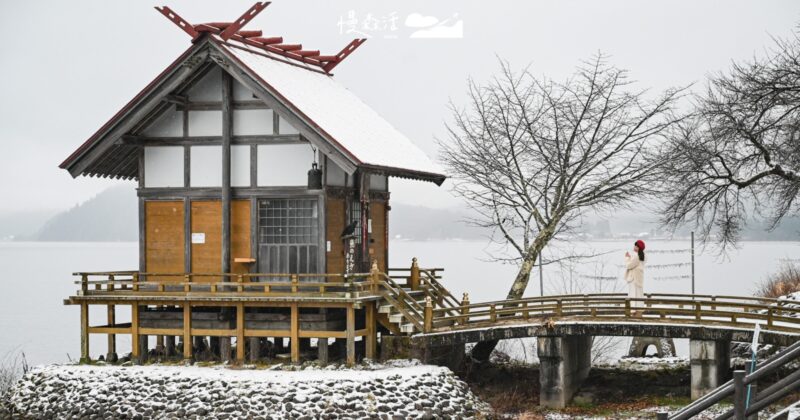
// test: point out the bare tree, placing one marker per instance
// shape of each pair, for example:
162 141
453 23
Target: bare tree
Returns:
739 156
530 154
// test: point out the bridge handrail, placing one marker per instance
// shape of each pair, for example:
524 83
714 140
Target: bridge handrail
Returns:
762 399
395 291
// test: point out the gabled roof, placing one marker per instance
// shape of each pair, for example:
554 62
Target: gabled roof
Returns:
332 113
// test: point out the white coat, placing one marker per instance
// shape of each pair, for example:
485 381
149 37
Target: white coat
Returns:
634 275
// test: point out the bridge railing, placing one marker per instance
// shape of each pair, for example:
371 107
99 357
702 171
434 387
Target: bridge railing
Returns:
737 388
733 311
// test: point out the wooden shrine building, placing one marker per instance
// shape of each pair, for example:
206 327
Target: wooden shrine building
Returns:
263 189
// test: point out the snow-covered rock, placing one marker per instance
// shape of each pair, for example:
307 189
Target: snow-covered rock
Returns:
400 390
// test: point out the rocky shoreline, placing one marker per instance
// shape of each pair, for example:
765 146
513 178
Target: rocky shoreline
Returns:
391 391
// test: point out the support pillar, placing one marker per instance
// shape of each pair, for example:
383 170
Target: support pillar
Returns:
85 333
160 344
187 331
240 333
143 348
564 362
710 362
351 335
111 355
372 335
295 332
169 345
322 350
135 353
255 348
225 349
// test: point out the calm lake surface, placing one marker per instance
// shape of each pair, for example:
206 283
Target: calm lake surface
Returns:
35 277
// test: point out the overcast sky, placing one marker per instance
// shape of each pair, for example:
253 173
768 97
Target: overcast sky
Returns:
68 66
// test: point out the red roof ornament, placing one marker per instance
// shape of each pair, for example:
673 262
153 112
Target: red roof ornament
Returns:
232 31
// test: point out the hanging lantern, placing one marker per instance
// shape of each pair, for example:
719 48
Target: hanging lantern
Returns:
314 177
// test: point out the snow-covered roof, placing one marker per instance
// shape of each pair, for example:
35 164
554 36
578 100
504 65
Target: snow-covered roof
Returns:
343 116
338 116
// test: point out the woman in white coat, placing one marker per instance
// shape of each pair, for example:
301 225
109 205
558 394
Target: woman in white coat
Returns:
634 274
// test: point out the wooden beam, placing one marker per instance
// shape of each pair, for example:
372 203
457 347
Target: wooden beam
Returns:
227 133
240 333
187 331
187 234
295 331
351 336
85 333
160 331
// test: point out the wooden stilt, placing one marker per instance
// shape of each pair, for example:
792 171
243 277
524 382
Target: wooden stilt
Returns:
225 349
84 333
351 335
322 350
169 345
187 331
144 342
135 332
160 344
111 355
240 333
255 348
295 327
372 333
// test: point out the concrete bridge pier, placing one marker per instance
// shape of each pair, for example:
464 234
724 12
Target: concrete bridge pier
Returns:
564 363
710 362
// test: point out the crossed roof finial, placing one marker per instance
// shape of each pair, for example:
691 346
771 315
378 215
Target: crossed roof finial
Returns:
233 31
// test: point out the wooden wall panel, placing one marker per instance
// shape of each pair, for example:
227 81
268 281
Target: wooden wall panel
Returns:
240 235
335 223
207 219
164 238
378 245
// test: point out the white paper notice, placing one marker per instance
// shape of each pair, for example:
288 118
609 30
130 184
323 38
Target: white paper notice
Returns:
198 238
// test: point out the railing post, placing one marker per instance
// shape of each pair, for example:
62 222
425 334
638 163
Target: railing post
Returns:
428 314
135 282
374 277
294 283
240 288
464 309
413 280
559 309
697 308
110 286
187 286
739 392
769 316
493 313
627 308
84 283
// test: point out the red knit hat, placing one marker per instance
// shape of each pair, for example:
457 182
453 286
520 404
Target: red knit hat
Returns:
639 243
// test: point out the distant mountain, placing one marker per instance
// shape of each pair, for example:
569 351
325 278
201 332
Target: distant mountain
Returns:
423 223
110 216
22 224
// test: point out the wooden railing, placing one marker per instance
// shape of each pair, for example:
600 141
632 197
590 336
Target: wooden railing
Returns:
228 284
726 310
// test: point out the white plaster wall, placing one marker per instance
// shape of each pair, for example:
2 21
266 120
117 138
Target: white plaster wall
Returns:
163 166
335 175
205 166
205 123
377 182
284 164
209 88
285 128
168 124
252 122
240 166
241 93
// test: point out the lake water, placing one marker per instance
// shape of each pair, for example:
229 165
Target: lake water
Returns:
36 277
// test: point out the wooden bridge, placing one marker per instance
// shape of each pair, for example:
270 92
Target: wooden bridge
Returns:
411 314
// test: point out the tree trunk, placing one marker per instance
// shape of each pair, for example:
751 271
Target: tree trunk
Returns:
484 349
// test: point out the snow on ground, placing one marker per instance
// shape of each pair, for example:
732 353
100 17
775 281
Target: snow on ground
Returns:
405 389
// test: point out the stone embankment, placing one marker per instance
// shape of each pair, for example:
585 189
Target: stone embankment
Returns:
393 391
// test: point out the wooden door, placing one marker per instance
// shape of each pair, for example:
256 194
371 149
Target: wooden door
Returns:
207 236
164 239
